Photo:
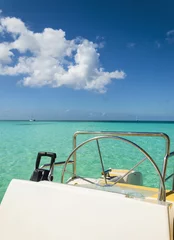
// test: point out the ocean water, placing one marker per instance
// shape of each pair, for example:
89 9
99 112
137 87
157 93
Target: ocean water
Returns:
22 140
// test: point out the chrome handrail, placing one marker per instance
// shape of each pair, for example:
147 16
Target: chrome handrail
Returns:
127 134
139 134
162 194
119 135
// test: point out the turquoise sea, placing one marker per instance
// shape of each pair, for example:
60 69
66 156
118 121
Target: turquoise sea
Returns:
22 140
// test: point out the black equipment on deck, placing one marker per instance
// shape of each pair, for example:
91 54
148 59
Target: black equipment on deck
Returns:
41 174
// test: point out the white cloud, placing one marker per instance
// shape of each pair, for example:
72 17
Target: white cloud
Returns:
5 53
48 58
13 25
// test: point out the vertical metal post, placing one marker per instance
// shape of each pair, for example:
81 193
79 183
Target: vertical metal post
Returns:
103 169
74 155
165 166
161 192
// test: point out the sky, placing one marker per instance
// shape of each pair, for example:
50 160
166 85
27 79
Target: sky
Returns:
86 60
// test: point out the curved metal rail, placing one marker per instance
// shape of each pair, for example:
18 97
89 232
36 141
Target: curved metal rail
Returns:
129 134
162 194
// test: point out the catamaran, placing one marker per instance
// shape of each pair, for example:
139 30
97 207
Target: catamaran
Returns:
112 205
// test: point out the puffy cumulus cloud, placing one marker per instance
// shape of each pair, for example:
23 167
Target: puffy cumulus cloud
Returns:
5 53
48 58
13 25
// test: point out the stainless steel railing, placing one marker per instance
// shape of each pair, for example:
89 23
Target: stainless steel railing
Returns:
127 134
116 136
119 136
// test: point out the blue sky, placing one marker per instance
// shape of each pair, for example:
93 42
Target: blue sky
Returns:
136 46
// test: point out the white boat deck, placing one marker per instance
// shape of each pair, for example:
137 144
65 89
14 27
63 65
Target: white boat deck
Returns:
46 210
